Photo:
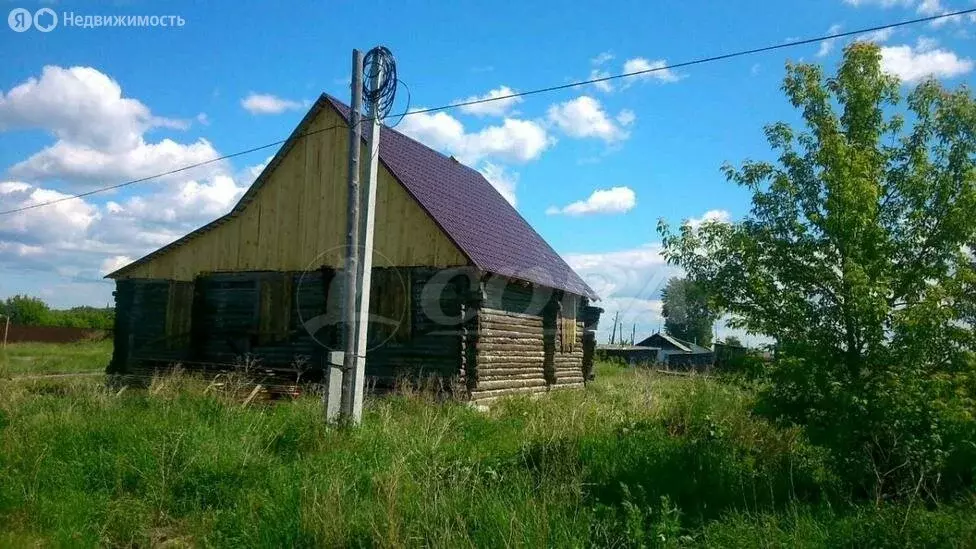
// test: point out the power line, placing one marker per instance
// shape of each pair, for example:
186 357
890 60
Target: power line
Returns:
697 61
683 64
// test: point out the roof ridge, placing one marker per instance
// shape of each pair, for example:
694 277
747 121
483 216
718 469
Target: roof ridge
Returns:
333 99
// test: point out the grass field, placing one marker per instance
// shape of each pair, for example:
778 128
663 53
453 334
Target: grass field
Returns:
19 359
633 460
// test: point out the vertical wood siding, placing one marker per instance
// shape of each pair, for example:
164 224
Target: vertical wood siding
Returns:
298 219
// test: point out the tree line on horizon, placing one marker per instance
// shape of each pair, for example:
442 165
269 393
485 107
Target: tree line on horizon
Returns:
27 310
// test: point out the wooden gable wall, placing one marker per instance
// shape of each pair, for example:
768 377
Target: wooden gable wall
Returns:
297 219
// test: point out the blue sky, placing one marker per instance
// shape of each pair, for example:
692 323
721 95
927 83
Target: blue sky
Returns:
85 107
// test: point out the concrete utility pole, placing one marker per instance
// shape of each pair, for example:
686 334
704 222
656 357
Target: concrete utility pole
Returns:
350 286
368 215
613 334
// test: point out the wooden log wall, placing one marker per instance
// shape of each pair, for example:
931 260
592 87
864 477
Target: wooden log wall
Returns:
485 351
516 354
232 314
510 354
520 345
141 323
434 347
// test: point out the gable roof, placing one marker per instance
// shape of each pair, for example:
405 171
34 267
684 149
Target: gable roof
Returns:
686 346
696 348
470 211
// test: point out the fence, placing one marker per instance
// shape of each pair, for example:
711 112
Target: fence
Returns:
16 333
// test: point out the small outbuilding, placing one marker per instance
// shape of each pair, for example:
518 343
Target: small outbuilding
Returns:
726 354
678 354
632 355
464 290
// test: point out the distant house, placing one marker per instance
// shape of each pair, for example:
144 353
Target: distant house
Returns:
726 355
679 354
463 288
632 355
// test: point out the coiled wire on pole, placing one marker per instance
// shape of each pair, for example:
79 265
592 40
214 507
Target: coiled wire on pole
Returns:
383 93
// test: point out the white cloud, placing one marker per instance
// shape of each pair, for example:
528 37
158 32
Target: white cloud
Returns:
114 263
9 187
635 272
650 70
924 60
203 119
877 36
514 140
658 72
626 117
83 240
68 219
503 180
924 43
930 7
100 139
602 58
585 117
437 130
100 134
183 202
721 216
927 8
498 107
602 201
250 173
86 166
828 45
79 105
606 86
628 281
264 103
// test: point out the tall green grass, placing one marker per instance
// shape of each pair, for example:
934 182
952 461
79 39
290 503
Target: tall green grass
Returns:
19 359
633 460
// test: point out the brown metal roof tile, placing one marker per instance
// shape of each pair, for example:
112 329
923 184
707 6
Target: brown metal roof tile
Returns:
488 229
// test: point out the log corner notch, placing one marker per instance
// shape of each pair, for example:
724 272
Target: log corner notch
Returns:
591 320
550 327
472 301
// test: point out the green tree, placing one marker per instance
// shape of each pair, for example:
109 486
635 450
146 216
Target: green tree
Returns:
29 311
687 312
84 317
733 341
853 260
